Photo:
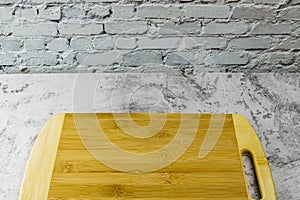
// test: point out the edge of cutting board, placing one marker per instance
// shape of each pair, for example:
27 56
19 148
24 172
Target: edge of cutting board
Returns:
250 145
41 161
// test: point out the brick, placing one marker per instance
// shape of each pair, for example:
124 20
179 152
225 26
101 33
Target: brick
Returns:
174 59
39 59
58 44
6 59
28 13
6 2
98 11
195 57
102 1
1 29
250 43
104 43
186 28
80 29
122 11
126 43
252 13
277 58
158 43
297 60
289 43
203 42
158 11
294 2
207 11
243 1
69 58
271 2
211 42
139 58
225 28
49 1
81 44
296 30
209 1
125 27
5 14
271 29
5 29
71 12
231 58
34 44
290 13
10 44
51 13
49 29
95 59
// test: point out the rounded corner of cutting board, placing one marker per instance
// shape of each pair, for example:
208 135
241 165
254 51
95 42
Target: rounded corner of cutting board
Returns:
42 159
250 145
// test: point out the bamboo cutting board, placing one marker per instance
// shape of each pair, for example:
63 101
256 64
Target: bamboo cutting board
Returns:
145 156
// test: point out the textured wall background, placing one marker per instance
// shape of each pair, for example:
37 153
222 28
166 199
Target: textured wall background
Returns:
137 35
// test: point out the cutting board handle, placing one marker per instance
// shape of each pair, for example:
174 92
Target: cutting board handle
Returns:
250 145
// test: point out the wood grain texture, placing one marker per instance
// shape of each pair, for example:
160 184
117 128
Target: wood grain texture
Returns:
79 173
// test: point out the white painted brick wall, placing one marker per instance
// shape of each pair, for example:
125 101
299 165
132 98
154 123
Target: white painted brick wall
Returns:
140 35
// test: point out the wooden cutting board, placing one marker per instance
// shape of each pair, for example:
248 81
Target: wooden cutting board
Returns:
145 156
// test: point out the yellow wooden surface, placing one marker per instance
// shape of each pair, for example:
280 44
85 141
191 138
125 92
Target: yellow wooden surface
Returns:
41 161
250 145
191 156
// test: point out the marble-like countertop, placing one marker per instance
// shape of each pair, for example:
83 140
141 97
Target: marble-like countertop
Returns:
270 101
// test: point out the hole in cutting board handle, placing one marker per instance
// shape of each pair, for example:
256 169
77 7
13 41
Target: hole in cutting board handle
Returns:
251 178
